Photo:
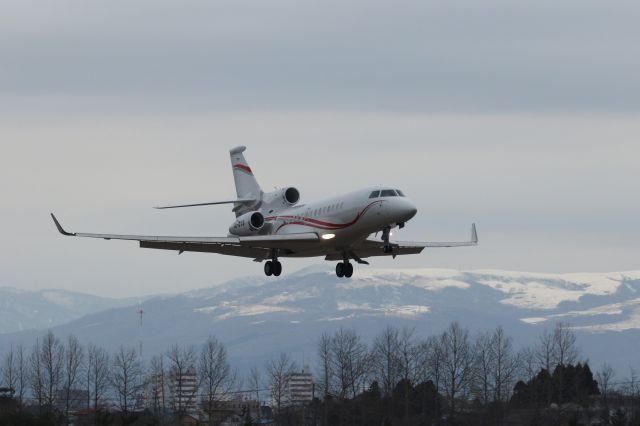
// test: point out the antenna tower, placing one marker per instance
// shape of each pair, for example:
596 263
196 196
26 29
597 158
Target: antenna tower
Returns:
141 313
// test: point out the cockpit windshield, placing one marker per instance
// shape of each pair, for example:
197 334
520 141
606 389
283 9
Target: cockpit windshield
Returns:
387 193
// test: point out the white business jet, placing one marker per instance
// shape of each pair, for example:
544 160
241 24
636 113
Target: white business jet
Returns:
273 225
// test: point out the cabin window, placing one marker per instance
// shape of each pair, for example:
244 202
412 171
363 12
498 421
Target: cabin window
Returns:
374 194
388 193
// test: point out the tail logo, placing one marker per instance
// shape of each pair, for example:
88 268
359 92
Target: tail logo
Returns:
244 168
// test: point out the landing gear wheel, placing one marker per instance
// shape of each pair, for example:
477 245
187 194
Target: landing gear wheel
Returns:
340 270
344 269
268 268
277 268
348 270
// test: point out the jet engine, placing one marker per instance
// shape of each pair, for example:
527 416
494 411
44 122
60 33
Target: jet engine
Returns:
248 224
290 196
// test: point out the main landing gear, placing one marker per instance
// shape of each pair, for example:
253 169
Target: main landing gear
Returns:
272 267
344 269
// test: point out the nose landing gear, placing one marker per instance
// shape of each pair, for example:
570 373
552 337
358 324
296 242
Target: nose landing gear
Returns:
386 233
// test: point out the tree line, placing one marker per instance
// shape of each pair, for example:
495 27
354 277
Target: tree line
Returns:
398 378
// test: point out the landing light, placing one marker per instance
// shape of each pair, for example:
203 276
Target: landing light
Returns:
328 236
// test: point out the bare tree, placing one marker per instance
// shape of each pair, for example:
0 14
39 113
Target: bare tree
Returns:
407 364
565 350
633 390
126 377
528 363
51 362
36 375
432 361
216 376
182 371
8 373
430 367
564 344
22 373
545 351
603 377
408 354
482 368
351 361
457 364
504 365
385 358
98 375
73 363
157 384
326 361
279 371
255 383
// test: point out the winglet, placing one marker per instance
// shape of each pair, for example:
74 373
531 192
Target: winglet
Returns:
60 228
474 234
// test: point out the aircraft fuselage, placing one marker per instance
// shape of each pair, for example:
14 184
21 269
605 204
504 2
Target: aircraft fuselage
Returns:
343 219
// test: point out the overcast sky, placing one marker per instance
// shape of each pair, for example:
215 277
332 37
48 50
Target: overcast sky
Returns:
521 117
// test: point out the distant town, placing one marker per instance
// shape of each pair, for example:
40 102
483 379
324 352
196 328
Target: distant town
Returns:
452 378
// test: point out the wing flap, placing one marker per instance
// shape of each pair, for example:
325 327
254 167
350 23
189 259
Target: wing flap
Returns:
209 244
227 249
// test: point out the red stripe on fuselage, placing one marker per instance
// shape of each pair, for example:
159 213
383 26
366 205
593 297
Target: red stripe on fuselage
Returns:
315 223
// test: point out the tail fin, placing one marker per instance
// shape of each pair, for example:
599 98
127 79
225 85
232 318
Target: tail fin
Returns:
246 184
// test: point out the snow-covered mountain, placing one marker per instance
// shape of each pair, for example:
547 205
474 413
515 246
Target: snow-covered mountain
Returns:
25 310
258 317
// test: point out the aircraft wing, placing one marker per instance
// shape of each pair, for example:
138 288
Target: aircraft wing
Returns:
472 242
374 247
257 246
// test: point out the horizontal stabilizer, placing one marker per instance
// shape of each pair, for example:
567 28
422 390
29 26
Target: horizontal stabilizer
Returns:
238 201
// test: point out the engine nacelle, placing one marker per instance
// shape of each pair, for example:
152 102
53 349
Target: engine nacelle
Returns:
280 199
248 224
290 196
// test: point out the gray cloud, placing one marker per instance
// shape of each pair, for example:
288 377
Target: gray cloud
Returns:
409 55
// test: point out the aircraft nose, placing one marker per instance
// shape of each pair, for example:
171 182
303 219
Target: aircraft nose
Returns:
411 209
407 210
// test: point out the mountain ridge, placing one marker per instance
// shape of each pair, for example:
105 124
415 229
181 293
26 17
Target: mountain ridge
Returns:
257 317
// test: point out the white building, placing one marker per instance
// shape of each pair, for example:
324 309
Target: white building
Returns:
184 392
299 390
